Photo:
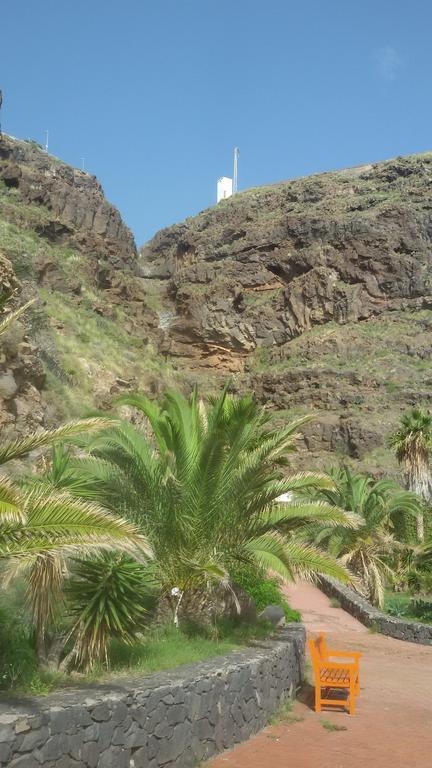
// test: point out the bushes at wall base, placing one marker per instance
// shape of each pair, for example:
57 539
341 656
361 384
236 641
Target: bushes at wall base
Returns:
18 660
263 590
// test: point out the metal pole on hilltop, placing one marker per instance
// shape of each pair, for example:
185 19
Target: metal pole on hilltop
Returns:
235 175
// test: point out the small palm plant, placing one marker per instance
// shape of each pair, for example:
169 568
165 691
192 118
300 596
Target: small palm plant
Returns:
205 487
371 549
413 445
107 597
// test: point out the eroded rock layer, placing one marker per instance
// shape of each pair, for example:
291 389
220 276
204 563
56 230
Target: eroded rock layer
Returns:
88 334
316 292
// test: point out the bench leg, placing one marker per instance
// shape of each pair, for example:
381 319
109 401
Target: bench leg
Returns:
317 698
352 695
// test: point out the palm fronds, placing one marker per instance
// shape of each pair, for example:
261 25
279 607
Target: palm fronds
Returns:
206 486
107 598
22 446
12 503
58 523
368 547
7 321
413 447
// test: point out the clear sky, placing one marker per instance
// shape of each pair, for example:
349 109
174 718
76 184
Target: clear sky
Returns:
154 94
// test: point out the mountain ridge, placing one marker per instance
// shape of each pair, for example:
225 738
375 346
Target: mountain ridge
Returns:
279 284
315 293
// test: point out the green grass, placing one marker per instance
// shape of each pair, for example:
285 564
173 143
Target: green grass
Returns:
389 363
404 605
164 650
254 299
332 727
157 650
284 715
85 350
334 602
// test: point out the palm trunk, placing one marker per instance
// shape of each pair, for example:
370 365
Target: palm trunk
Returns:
418 481
49 651
420 527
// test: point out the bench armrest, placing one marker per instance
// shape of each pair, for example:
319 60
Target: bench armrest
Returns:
345 654
337 665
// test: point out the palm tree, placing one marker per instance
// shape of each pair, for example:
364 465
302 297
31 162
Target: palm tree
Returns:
107 597
205 488
413 445
368 550
39 525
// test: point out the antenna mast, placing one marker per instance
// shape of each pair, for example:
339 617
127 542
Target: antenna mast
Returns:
46 140
235 175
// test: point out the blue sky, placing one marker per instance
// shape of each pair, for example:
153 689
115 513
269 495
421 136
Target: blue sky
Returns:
155 94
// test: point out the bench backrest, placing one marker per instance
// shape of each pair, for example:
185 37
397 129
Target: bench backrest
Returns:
322 646
318 651
315 655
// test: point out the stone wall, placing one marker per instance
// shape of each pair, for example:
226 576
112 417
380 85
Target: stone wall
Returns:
175 718
353 603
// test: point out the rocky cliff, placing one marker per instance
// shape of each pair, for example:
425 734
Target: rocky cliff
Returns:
316 293
89 334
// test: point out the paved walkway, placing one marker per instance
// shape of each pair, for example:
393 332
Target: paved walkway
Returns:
393 724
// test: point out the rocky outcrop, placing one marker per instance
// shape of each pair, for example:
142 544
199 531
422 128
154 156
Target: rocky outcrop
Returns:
338 247
21 371
314 293
74 200
279 285
64 244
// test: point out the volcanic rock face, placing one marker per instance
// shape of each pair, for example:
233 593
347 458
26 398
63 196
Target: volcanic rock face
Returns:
316 292
63 244
75 199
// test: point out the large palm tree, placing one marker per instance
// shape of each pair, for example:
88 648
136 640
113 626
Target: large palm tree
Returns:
370 549
204 488
413 445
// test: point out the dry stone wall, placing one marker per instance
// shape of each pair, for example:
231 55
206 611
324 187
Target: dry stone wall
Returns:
361 609
176 718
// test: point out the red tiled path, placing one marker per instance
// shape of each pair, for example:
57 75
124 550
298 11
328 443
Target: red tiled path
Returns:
393 724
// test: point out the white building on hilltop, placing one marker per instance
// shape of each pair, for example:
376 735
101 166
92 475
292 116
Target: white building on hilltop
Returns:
224 188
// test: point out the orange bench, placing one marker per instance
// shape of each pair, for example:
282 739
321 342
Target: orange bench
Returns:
330 675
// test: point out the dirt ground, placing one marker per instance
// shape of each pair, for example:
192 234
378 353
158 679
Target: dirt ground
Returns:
392 727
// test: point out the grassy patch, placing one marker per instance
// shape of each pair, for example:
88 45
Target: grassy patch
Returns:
158 650
404 605
335 603
347 347
166 649
284 715
264 591
84 352
332 727
261 298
